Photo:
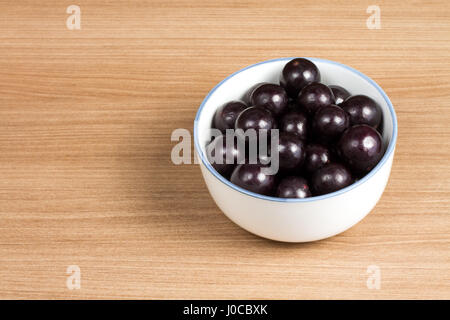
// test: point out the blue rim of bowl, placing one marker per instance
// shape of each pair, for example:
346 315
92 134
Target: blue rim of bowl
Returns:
383 160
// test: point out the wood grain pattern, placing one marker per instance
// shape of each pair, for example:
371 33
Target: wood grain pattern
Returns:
86 176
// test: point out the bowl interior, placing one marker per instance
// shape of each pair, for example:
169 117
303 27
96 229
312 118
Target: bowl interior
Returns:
332 73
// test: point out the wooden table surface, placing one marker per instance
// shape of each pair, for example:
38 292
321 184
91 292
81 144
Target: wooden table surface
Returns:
86 177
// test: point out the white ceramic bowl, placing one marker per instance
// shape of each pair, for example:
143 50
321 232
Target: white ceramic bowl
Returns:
295 220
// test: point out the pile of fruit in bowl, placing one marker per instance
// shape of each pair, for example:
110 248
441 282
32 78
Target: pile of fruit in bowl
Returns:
327 137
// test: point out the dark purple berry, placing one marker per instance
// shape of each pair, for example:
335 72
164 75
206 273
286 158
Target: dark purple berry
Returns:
293 187
217 153
363 110
255 118
270 96
340 94
248 95
225 117
291 151
296 74
314 96
316 157
330 178
330 122
361 147
253 178
295 122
